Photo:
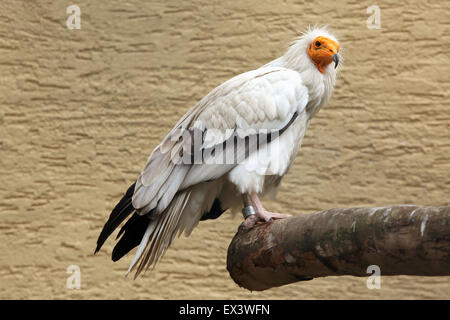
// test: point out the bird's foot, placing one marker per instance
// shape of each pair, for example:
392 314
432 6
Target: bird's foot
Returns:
262 216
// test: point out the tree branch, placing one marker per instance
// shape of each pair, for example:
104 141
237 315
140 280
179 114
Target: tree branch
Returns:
401 240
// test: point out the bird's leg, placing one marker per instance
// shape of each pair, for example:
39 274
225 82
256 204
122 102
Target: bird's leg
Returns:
251 219
261 214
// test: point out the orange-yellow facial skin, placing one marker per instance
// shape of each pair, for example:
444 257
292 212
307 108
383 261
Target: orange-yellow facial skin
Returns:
321 50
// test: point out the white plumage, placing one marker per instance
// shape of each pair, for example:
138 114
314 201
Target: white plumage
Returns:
281 96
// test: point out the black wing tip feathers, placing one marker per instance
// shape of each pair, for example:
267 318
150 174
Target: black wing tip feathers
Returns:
133 231
120 212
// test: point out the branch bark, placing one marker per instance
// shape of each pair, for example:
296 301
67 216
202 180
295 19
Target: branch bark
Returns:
401 240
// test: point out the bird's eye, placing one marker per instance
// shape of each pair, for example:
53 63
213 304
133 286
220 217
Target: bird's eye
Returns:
318 43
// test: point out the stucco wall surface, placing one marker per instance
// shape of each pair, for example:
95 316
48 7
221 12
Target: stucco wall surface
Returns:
81 110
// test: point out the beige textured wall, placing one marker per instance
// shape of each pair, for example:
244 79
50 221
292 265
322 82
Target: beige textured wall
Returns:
81 110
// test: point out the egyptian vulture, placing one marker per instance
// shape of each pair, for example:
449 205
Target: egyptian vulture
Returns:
233 147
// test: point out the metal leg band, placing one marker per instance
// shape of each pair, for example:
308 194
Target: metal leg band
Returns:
248 211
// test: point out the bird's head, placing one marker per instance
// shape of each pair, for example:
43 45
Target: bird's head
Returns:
318 48
323 51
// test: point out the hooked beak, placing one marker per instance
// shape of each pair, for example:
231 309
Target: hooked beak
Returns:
335 58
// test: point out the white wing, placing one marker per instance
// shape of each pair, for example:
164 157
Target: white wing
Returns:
266 98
